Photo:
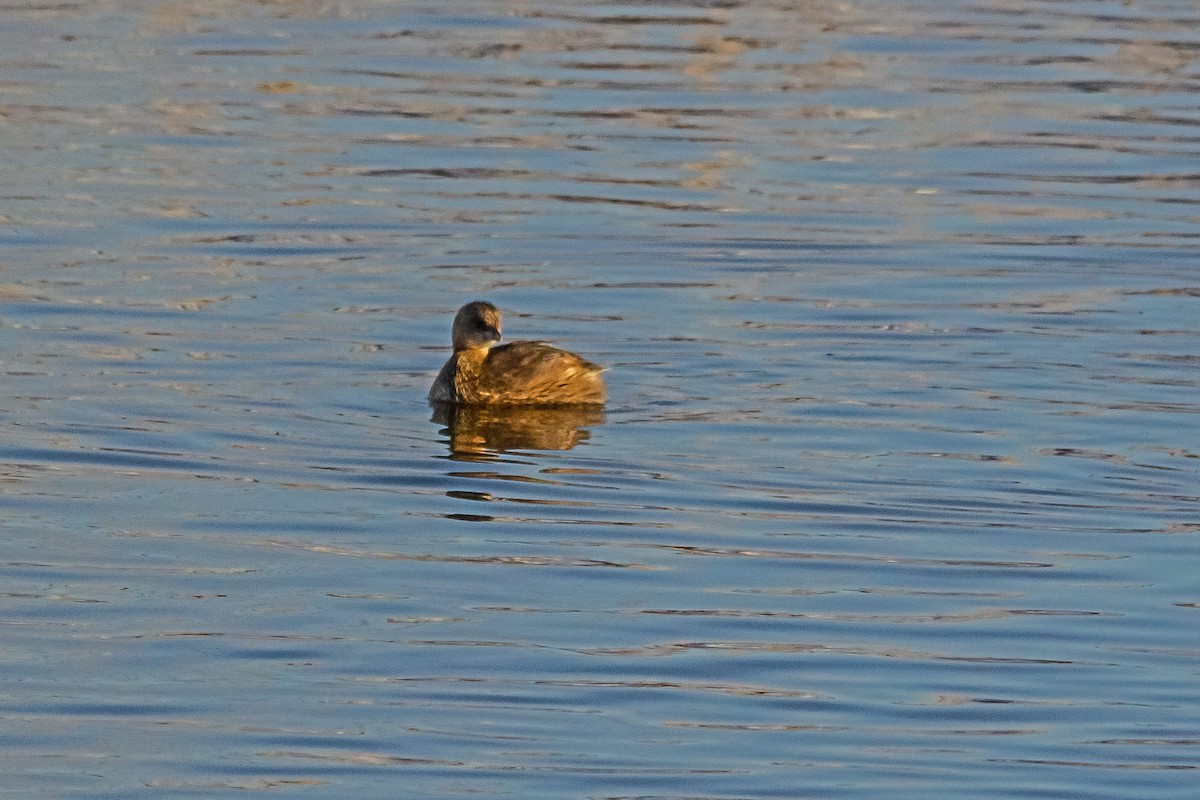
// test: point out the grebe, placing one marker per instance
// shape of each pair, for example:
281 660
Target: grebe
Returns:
520 373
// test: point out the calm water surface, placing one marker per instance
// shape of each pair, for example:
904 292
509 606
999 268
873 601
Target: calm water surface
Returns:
896 495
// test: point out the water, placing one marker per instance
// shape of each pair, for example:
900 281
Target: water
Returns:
895 494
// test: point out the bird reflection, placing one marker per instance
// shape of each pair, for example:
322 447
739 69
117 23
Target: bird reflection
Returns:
479 430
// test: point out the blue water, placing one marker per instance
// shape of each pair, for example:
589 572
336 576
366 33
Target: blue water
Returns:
895 494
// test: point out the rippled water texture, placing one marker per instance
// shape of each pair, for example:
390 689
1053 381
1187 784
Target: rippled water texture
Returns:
895 495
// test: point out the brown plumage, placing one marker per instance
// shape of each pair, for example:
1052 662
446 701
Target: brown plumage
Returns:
521 373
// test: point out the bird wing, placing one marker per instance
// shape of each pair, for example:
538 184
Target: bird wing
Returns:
536 371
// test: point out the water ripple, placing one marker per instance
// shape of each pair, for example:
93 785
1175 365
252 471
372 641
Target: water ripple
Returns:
896 488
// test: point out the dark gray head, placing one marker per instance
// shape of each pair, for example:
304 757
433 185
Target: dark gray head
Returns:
476 325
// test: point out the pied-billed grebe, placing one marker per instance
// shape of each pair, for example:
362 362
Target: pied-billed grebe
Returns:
521 373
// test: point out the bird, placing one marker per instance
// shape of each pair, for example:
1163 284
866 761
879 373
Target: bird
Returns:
516 374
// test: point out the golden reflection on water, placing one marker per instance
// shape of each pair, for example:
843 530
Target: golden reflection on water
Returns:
480 430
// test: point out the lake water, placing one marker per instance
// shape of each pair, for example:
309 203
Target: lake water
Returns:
896 494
